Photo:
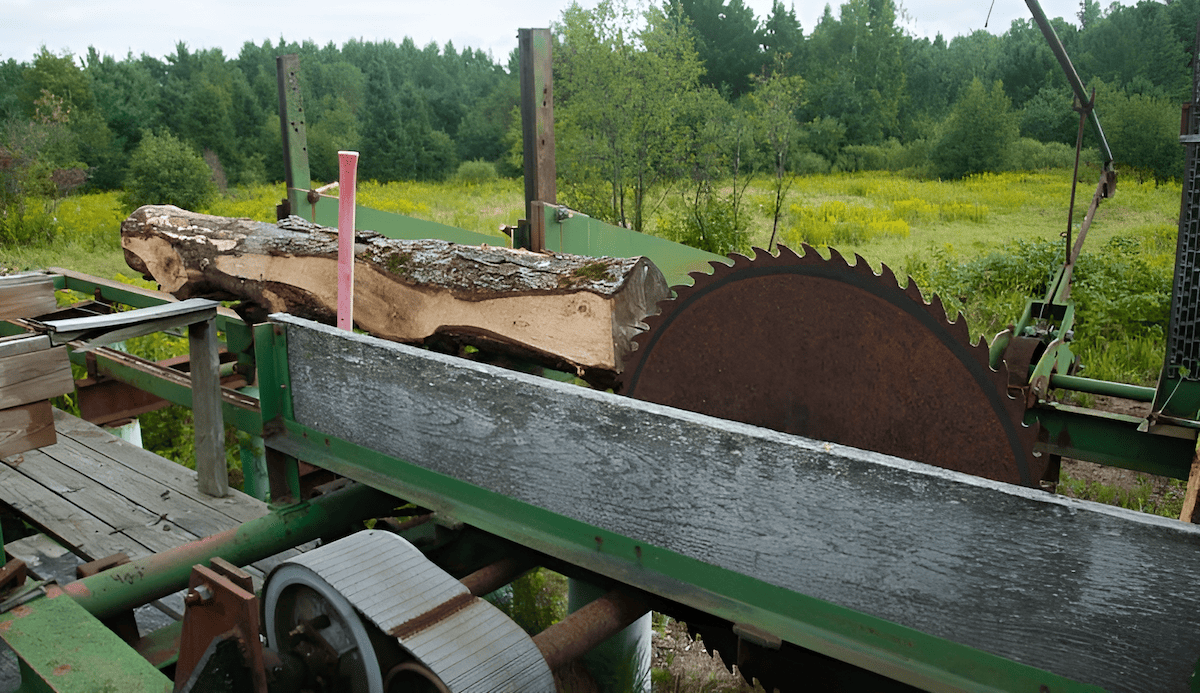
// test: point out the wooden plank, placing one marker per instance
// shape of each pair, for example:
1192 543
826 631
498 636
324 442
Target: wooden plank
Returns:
157 499
145 528
237 506
33 376
26 296
1094 593
70 525
212 476
26 427
18 344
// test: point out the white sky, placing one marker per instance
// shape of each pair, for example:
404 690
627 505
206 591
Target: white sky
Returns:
116 27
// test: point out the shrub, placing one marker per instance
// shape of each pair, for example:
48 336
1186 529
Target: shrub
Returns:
977 133
838 222
713 225
164 170
476 172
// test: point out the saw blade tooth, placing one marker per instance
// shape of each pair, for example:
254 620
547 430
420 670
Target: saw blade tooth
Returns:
786 253
888 275
914 292
961 330
835 255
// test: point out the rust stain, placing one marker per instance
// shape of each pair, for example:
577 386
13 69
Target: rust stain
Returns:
62 669
21 611
5 625
438 613
77 590
53 591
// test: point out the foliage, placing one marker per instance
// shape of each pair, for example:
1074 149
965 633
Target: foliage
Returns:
708 222
164 170
624 85
1122 295
1142 130
726 37
475 172
841 223
774 101
539 600
978 132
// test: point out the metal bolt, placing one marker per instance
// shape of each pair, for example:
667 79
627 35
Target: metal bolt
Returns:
201 594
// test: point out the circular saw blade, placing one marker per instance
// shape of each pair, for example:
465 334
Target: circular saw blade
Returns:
833 351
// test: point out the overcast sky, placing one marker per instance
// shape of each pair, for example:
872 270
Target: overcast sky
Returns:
116 27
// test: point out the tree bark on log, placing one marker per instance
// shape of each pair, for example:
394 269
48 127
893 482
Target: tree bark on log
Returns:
567 312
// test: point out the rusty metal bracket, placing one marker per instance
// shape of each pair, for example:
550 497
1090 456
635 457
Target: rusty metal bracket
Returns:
221 610
12 575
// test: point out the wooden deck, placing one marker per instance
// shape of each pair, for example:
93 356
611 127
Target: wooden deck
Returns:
98 495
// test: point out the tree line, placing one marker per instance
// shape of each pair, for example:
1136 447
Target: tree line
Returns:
653 103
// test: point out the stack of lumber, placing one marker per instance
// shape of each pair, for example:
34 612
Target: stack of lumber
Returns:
567 312
31 370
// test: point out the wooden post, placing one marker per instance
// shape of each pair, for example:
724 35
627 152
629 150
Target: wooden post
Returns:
348 183
1189 512
212 475
537 123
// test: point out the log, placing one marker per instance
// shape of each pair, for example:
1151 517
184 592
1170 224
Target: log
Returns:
567 312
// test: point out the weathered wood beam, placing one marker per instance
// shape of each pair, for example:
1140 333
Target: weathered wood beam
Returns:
569 312
1094 593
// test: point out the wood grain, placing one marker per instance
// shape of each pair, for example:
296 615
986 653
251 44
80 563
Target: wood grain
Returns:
570 312
34 376
26 427
26 296
142 467
1098 594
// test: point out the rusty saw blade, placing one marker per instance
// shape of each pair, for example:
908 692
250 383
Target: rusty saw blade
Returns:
832 351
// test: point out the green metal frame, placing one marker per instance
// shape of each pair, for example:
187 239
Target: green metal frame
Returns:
896 651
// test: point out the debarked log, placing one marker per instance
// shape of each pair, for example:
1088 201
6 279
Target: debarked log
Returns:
567 312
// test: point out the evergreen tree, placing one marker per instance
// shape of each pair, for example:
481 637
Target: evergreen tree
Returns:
979 130
726 39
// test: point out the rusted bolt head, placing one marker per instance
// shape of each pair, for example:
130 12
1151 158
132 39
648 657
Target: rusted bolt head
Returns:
201 594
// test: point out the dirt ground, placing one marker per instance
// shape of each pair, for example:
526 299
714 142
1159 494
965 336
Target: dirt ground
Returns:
684 665
1162 488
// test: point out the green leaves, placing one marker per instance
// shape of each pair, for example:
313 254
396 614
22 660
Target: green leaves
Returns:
164 170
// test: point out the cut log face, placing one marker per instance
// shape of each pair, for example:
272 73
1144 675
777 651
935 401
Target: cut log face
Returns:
564 311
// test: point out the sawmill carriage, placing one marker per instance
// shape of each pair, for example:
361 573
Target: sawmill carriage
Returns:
804 460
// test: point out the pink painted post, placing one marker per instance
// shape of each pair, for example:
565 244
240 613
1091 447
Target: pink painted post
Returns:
347 187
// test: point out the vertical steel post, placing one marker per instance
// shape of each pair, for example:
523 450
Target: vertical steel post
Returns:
537 126
211 472
295 136
621 663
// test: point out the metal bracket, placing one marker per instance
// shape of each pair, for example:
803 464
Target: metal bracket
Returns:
38 590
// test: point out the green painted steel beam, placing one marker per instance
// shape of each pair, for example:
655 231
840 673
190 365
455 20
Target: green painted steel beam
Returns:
576 233
392 225
1112 439
868 642
152 577
244 419
65 649
1137 393
293 128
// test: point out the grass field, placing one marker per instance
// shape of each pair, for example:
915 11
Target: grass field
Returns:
885 217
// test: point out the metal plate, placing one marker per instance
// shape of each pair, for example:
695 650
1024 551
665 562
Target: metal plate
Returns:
832 351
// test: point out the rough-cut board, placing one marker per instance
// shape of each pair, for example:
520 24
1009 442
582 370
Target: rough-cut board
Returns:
1094 593
26 296
572 312
34 376
100 495
26 427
